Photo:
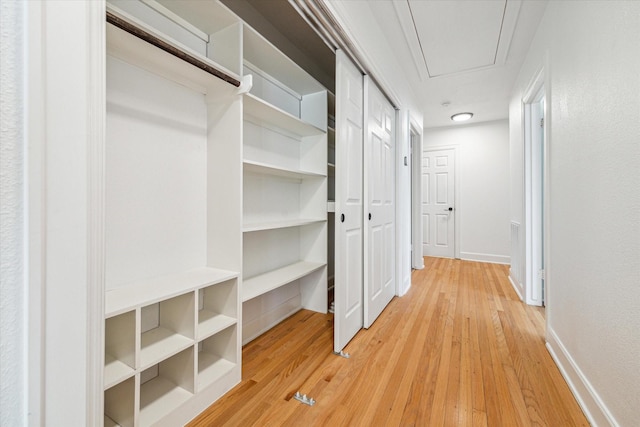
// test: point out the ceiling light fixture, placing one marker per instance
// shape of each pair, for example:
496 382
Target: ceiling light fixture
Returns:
461 117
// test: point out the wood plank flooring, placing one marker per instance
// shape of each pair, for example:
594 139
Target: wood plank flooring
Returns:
459 349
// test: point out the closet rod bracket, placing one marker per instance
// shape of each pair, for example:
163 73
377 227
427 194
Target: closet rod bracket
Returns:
342 354
304 399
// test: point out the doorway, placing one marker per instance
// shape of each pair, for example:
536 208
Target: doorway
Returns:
417 261
535 167
438 203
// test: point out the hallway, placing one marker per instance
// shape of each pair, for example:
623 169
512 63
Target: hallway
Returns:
459 349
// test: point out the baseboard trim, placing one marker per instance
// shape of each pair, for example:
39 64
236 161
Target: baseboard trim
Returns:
592 405
254 328
494 259
516 286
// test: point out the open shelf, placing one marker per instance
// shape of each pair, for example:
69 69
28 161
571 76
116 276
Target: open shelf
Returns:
167 328
171 383
269 169
158 397
263 55
119 404
217 308
153 290
216 355
274 225
120 342
271 280
115 371
262 113
160 343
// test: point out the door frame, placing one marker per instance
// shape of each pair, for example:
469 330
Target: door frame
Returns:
456 192
536 91
415 149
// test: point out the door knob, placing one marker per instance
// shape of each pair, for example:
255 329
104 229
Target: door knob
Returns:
341 217
369 216
448 210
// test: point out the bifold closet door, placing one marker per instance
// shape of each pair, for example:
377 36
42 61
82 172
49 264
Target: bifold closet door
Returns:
349 202
379 212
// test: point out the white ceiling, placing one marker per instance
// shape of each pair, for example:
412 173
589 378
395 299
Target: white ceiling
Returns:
466 53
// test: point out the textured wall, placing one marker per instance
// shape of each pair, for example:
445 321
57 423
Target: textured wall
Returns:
484 186
12 357
593 307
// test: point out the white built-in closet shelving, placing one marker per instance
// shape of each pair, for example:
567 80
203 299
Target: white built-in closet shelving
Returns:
216 203
284 188
173 212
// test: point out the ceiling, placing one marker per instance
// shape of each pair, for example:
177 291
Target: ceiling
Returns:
459 55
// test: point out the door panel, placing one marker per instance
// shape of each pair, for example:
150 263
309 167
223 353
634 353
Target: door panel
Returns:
348 280
379 173
437 198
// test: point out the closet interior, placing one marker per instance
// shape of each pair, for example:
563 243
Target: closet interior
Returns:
216 203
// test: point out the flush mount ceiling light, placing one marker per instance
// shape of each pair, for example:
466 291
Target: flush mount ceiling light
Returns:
461 117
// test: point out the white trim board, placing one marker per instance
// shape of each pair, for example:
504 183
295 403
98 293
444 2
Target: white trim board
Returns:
515 286
590 402
491 258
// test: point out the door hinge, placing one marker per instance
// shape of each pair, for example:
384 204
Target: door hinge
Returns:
541 275
542 122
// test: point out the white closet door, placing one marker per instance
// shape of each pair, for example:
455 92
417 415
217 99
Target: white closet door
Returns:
379 184
349 202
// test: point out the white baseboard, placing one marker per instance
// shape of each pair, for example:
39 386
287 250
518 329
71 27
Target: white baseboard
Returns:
592 405
252 329
517 286
494 259
405 287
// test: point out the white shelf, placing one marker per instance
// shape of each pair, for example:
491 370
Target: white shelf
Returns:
153 290
271 280
159 344
211 368
267 169
115 371
263 113
262 54
331 206
136 51
274 225
210 323
158 397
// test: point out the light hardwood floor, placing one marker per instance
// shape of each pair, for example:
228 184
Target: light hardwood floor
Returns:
459 349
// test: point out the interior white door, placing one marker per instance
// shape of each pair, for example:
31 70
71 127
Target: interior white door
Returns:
379 184
438 191
348 283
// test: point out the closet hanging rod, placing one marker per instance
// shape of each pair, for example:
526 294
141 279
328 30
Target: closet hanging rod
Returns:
155 41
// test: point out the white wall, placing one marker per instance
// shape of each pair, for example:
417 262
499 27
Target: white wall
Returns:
13 360
483 191
590 49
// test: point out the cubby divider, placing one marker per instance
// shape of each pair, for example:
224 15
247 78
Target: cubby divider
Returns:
217 308
216 356
171 328
166 386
